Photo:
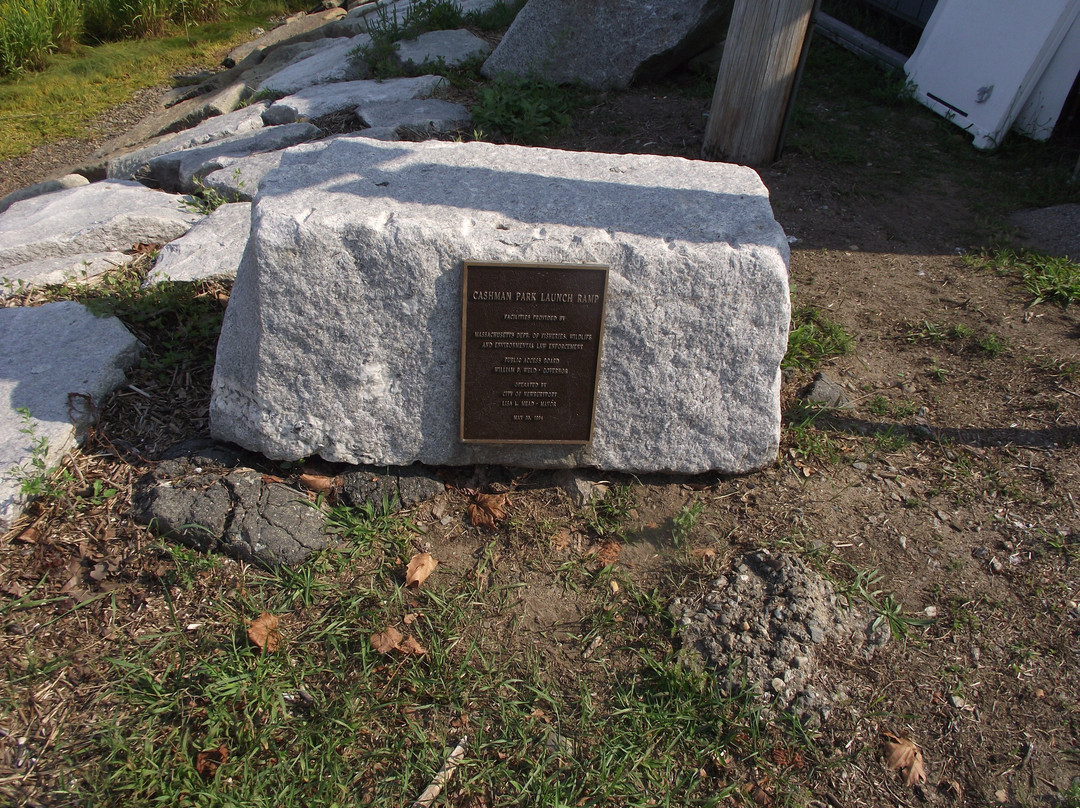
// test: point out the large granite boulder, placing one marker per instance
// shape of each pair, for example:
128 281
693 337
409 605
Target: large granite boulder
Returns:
343 333
608 43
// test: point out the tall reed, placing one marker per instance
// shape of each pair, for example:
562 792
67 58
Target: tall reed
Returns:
32 29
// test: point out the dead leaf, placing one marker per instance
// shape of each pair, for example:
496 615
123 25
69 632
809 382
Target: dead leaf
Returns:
270 478
704 553
319 483
29 536
608 553
207 761
410 618
386 641
410 646
420 567
952 788
561 540
263 633
614 586
905 755
487 509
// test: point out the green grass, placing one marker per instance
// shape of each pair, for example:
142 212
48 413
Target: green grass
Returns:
326 720
813 339
76 87
1047 278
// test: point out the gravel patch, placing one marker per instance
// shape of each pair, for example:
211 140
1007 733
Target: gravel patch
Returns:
762 626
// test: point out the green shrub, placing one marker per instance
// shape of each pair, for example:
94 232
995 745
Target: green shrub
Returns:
526 110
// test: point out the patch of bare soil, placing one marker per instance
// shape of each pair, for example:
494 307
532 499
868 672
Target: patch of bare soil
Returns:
948 489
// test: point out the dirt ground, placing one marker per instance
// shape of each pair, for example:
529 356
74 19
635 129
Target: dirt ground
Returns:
954 473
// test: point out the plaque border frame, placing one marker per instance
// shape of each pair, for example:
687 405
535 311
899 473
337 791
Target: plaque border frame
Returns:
599 351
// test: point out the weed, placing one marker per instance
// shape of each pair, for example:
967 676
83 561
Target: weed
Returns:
1047 278
527 110
992 345
808 441
386 30
495 17
813 339
879 405
890 611
889 440
204 200
608 516
35 476
683 522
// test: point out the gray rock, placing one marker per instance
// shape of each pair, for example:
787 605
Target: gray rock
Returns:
342 336
211 249
414 120
449 48
82 266
607 44
134 164
239 177
179 117
394 487
47 352
46 187
310 27
96 218
823 390
323 99
238 513
331 61
182 170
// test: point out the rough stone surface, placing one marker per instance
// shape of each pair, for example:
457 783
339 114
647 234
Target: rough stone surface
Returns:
239 177
307 28
135 164
450 48
81 266
380 486
181 170
763 623
47 352
99 217
211 249
46 187
606 44
342 336
323 99
237 512
824 390
413 120
330 62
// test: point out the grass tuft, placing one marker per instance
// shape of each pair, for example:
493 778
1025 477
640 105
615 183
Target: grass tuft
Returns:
1049 279
813 339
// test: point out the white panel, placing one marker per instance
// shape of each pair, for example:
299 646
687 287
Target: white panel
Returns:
979 60
1040 114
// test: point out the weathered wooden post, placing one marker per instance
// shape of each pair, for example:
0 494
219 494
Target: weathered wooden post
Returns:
765 46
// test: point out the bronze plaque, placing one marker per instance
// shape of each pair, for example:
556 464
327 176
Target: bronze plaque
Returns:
530 352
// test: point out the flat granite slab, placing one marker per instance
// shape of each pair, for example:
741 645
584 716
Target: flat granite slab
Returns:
46 353
343 332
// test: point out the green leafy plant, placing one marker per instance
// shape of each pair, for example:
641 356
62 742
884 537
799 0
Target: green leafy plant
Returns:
813 339
1049 279
35 477
526 110
205 200
683 522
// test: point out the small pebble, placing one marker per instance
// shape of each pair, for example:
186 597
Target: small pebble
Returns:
957 702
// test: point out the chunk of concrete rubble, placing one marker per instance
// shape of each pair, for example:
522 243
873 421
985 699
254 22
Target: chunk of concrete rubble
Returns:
48 352
413 120
606 45
100 217
323 99
46 187
342 336
135 163
239 513
394 487
331 61
448 48
183 170
210 250
64 268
